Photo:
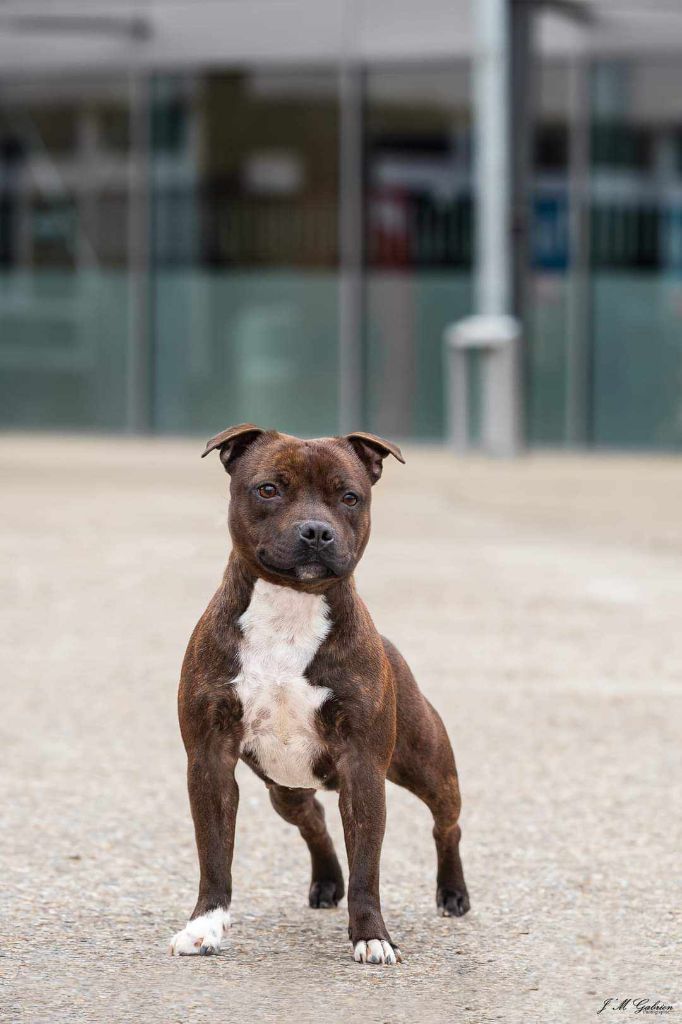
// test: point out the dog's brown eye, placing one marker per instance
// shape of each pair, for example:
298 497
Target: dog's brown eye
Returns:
267 491
349 498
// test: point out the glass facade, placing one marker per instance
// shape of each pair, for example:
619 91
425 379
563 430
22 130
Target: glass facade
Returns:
170 257
605 342
419 240
66 176
549 279
637 254
245 250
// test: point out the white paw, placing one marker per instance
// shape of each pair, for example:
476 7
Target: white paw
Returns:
202 935
376 951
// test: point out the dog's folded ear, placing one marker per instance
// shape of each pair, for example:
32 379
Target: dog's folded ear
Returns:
232 443
372 450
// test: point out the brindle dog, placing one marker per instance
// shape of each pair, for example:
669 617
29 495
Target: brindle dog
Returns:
286 671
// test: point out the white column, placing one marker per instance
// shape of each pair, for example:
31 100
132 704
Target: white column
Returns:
492 163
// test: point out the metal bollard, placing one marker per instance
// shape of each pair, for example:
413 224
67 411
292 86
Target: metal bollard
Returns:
497 338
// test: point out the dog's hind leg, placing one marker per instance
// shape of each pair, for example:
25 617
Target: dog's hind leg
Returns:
435 782
423 762
299 807
443 800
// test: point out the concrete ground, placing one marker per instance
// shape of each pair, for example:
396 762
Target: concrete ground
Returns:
539 603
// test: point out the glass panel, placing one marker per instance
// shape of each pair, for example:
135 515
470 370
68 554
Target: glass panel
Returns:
633 185
548 320
637 253
64 287
419 245
245 177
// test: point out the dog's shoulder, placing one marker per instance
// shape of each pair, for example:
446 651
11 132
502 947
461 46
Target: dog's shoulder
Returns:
206 697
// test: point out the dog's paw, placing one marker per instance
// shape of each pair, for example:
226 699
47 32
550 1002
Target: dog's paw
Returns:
323 895
452 902
202 935
376 951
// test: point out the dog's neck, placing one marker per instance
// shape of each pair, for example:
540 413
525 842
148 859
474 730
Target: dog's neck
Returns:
239 581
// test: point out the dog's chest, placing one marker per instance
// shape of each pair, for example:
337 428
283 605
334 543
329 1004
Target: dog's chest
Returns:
282 631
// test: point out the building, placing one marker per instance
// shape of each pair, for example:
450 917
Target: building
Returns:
222 210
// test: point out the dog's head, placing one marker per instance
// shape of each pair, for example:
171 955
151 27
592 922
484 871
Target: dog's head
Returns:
300 510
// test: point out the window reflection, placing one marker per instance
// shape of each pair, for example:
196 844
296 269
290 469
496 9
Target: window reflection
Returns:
64 253
419 239
631 193
246 249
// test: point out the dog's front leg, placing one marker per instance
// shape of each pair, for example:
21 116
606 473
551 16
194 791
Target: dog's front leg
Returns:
214 797
362 801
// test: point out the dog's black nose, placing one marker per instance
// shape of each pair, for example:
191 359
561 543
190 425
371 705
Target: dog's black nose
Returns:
315 533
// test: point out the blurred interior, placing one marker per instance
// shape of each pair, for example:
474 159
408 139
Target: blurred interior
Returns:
171 209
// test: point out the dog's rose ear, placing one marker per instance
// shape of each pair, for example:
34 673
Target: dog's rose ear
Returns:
372 450
232 443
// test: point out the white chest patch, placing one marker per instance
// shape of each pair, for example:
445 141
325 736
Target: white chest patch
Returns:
282 630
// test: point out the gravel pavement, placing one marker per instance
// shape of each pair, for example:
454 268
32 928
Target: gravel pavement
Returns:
539 603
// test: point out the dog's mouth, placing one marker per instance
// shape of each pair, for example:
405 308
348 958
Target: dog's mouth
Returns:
307 572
